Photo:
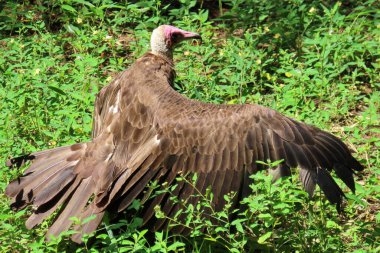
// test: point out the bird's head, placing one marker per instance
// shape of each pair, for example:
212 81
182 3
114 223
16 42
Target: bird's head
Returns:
166 37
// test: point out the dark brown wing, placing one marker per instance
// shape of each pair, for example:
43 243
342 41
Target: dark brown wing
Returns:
223 143
138 154
106 105
69 176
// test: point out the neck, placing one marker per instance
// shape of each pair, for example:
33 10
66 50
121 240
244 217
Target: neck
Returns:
151 63
159 47
168 55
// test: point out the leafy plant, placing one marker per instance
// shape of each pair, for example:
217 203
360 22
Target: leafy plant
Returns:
311 60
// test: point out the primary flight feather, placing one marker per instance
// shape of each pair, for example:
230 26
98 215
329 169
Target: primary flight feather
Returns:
144 130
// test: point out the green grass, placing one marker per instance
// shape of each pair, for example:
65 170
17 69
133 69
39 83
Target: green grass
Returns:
314 62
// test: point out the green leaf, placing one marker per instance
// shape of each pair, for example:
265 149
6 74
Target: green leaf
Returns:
264 237
175 246
57 90
332 224
238 226
71 28
90 218
68 8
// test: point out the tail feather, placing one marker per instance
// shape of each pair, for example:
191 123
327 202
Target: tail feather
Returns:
328 185
51 190
73 208
30 180
17 162
24 191
44 210
42 159
356 165
346 175
81 180
48 182
43 163
308 179
325 181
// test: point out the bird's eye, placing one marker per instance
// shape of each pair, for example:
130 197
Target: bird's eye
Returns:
175 37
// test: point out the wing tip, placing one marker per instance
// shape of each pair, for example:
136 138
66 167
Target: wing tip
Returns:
332 191
356 165
17 162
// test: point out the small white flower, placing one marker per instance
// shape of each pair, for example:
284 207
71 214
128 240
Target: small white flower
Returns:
109 79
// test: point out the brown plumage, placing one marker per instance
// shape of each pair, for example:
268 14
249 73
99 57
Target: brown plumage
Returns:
144 130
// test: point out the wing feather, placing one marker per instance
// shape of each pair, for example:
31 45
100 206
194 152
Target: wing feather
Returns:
243 135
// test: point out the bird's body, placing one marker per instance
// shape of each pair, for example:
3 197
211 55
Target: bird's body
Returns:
144 130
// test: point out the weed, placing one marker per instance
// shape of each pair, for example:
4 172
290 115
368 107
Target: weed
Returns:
310 60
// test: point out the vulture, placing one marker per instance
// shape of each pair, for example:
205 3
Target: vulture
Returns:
144 130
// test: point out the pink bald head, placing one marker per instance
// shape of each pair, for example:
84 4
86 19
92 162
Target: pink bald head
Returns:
165 37
174 35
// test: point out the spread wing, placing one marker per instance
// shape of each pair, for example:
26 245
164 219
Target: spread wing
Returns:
222 144
106 105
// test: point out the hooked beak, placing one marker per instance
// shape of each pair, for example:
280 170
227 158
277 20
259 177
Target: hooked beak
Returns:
190 35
